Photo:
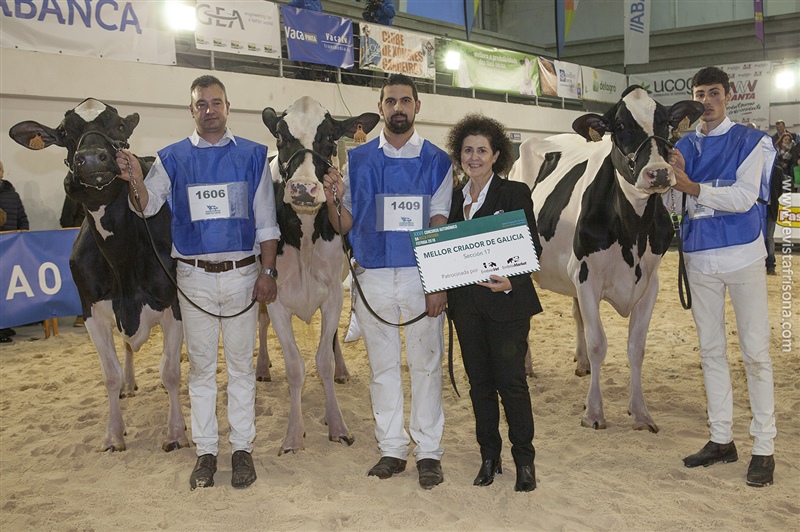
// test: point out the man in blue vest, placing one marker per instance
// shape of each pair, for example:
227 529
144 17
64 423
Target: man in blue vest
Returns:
397 183
724 170
219 190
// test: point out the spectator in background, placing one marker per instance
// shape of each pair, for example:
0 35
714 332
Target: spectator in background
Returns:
13 219
780 129
11 203
785 145
379 12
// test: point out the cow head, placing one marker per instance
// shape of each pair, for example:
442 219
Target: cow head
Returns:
639 128
307 136
92 133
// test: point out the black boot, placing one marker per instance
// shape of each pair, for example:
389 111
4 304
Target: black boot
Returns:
526 478
487 472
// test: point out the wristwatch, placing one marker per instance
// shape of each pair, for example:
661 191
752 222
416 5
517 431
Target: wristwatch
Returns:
272 272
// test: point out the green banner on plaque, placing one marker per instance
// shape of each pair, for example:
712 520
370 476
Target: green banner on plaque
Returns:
469 252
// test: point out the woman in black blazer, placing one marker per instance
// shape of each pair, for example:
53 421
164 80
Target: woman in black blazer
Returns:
492 318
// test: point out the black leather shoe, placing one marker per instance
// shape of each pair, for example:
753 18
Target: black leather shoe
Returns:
386 467
203 472
244 472
430 473
526 478
711 454
759 473
487 472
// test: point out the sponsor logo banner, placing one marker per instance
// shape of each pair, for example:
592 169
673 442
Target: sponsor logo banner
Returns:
35 278
750 90
559 78
602 85
317 38
238 27
493 69
386 49
108 29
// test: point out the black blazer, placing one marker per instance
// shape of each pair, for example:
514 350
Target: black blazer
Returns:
522 302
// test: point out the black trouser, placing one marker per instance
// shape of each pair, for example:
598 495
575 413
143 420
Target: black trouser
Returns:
494 358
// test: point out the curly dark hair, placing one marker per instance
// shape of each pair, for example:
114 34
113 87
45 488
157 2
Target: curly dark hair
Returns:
494 131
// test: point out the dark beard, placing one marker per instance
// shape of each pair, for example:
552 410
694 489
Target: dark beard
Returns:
399 128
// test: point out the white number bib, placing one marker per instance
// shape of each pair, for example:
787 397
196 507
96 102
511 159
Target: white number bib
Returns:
400 212
220 200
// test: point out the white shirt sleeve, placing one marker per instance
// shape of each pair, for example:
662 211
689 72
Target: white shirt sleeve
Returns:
159 188
441 200
264 208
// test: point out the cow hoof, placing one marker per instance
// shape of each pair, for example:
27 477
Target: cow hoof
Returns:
347 440
169 446
283 451
264 379
596 425
646 426
341 380
112 448
582 372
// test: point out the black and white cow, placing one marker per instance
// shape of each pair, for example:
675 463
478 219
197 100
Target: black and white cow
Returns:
604 228
310 257
119 279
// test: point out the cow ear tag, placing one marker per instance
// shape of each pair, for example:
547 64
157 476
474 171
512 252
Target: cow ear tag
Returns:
36 143
595 136
684 124
360 137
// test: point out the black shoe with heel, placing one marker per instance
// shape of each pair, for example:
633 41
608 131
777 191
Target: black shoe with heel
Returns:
712 453
526 478
487 472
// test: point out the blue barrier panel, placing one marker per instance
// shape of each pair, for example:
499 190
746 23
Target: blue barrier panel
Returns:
35 279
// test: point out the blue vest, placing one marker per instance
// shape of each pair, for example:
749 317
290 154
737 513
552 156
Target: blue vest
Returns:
371 173
187 165
714 160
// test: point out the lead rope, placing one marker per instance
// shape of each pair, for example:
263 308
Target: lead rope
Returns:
338 205
161 263
683 276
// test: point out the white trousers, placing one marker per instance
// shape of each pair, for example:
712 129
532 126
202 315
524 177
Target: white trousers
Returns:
395 294
748 292
221 293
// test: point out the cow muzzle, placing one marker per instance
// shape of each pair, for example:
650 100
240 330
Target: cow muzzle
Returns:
305 197
94 164
656 178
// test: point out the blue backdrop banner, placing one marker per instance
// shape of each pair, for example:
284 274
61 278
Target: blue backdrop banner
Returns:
35 279
316 38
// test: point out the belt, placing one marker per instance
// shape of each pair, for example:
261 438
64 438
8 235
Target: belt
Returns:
219 267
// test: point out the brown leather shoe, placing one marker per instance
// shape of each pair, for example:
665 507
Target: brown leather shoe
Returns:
430 473
760 471
386 467
203 472
712 453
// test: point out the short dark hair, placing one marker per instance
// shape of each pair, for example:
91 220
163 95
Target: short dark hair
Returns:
494 131
400 79
206 81
711 76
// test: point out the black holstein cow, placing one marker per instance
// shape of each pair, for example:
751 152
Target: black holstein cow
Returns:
119 279
604 228
310 257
